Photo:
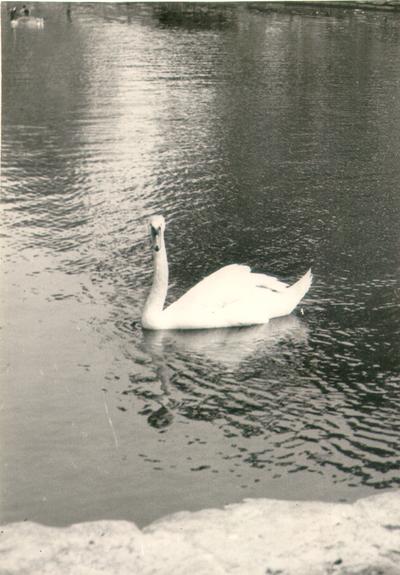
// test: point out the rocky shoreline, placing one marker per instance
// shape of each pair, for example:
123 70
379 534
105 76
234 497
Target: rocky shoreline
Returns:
255 537
325 7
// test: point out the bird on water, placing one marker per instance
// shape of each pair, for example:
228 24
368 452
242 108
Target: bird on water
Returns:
233 296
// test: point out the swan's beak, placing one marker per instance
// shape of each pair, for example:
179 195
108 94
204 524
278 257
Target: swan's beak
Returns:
155 238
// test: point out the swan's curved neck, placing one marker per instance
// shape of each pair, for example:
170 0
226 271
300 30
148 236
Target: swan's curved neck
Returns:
156 298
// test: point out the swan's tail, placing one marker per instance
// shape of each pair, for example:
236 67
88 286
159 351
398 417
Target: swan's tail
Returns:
286 300
295 293
301 287
292 295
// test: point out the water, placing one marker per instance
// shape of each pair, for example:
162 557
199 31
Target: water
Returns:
266 139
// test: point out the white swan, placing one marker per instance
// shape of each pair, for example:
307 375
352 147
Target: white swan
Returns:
231 296
27 22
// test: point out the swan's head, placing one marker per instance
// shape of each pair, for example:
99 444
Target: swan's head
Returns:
156 227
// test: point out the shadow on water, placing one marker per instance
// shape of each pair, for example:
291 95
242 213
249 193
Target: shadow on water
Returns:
182 15
264 389
195 15
227 348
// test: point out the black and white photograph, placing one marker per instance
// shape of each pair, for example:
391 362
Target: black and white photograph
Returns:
200 288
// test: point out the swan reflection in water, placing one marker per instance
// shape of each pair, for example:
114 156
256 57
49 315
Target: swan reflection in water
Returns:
226 348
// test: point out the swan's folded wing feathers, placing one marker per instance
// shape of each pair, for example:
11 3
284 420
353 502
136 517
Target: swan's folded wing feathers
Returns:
269 282
215 290
224 287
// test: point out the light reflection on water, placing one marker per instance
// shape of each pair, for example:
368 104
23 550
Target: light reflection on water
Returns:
270 140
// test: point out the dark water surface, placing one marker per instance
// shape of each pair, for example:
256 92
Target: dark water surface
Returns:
271 140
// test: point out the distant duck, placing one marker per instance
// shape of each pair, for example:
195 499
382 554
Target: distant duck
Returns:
23 19
229 297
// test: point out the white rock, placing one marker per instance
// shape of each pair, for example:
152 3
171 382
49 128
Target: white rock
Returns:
256 537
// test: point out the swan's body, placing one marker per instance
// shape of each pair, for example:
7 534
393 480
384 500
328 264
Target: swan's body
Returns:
27 22
231 296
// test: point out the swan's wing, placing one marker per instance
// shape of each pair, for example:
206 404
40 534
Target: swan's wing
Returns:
262 280
224 287
214 290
